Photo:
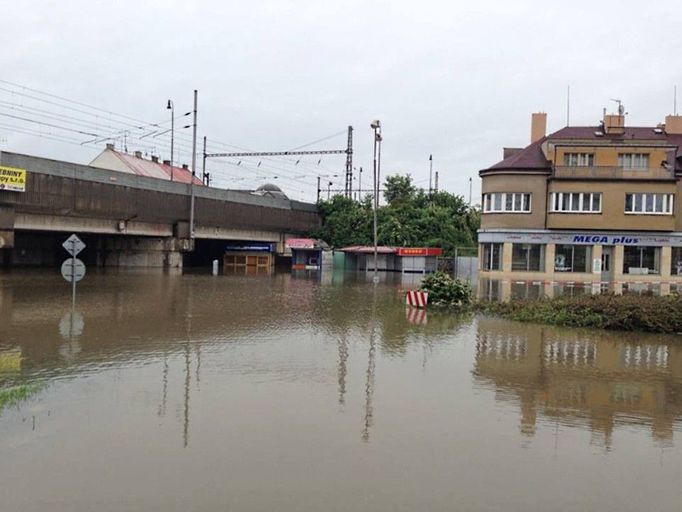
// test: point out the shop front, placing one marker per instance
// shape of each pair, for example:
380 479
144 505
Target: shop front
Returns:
581 256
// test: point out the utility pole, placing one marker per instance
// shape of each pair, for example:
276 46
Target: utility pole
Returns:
360 186
470 182
204 176
171 107
329 190
318 190
376 125
349 164
430 174
436 184
194 166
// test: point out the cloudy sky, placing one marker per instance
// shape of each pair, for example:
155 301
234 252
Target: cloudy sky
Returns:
455 79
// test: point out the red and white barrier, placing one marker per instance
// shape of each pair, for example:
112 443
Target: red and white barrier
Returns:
417 299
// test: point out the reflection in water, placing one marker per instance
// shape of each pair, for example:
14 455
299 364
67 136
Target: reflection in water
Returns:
296 376
505 289
582 378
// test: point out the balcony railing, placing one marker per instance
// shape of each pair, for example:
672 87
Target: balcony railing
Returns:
612 172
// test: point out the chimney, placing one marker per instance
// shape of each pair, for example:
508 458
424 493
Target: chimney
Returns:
185 166
138 154
155 159
166 162
110 146
614 124
673 125
538 126
507 152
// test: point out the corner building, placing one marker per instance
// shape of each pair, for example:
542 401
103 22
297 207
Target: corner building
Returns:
586 204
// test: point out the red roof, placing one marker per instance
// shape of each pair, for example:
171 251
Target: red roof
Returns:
154 169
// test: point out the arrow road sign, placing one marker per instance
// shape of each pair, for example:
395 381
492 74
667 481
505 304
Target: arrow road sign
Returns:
73 270
73 245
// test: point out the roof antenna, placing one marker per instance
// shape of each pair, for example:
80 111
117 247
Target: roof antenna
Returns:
621 108
675 101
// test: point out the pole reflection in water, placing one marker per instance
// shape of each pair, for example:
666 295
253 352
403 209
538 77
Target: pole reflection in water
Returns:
343 369
291 370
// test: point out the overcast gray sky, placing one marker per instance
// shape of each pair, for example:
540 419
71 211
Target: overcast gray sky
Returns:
455 79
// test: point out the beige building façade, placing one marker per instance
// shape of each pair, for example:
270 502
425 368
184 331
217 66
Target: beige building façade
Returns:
586 203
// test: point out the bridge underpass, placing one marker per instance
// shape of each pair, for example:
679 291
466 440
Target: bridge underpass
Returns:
131 220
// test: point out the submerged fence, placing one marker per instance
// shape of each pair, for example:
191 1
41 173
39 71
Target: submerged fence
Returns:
463 265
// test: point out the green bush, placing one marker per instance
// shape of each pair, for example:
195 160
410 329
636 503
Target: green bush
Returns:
623 312
444 291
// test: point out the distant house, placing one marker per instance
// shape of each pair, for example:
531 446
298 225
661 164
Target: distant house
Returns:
113 160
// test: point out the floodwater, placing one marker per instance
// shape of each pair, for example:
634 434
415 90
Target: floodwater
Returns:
251 393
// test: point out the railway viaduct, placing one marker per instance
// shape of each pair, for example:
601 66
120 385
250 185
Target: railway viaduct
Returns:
131 220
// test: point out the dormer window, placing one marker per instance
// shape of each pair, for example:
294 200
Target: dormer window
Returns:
578 159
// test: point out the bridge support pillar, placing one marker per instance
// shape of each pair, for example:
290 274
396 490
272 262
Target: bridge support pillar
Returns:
141 252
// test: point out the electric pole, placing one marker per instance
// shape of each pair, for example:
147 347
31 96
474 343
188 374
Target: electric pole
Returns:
349 164
430 174
194 166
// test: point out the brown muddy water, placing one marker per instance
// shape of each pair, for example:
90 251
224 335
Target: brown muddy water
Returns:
200 393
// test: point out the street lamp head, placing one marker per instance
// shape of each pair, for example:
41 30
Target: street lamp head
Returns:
375 124
170 105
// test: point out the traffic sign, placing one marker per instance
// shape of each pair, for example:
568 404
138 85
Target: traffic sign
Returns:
73 245
73 270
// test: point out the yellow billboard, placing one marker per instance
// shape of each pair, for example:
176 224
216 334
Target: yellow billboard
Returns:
12 178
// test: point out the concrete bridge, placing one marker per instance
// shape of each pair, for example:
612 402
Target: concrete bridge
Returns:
131 220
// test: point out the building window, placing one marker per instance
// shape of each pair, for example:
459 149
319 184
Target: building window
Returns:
575 202
633 160
572 258
506 202
528 257
676 261
641 260
579 159
492 257
652 204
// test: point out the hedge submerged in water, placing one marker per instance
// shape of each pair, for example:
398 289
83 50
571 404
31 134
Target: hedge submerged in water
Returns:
446 292
627 312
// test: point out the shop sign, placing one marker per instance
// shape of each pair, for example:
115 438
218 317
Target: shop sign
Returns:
12 178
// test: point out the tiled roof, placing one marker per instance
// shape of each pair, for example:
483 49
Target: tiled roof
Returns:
530 157
533 158
159 170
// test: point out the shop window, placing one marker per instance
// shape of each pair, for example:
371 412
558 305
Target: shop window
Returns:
528 257
641 260
676 261
492 257
572 258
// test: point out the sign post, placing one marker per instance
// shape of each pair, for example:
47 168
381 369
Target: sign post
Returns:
73 269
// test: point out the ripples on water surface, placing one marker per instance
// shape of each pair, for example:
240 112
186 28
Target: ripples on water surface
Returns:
177 393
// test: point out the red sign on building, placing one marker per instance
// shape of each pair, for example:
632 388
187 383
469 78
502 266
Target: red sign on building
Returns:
420 251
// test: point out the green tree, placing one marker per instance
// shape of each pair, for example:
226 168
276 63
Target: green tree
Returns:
410 217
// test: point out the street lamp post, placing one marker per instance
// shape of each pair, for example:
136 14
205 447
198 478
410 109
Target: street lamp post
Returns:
376 126
171 107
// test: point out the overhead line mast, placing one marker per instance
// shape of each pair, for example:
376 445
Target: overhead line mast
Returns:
348 152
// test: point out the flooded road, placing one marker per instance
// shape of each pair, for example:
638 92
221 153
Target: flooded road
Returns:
200 393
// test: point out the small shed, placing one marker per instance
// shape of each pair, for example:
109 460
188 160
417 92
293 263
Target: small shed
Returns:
308 253
412 260
249 255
